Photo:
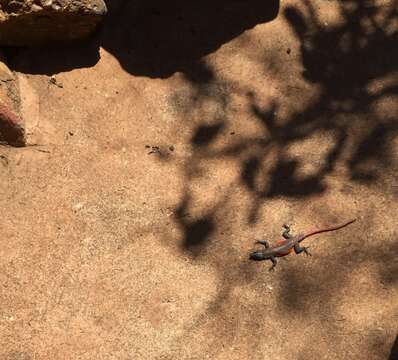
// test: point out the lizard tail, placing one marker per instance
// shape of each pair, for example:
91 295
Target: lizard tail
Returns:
329 229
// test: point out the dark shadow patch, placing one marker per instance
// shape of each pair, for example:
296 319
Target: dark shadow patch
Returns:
373 152
155 38
53 59
196 233
250 168
294 17
284 181
389 271
199 73
394 350
205 134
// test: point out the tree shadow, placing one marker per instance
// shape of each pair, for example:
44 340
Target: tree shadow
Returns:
350 84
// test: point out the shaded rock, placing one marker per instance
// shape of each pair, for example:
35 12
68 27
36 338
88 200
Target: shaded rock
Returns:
11 125
30 22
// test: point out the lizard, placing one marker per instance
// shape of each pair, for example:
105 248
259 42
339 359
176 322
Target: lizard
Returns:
289 242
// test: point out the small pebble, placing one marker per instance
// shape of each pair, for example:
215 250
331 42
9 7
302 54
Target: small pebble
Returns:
78 206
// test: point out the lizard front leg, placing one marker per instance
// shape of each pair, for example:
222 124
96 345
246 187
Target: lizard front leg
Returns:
286 233
274 263
263 242
299 249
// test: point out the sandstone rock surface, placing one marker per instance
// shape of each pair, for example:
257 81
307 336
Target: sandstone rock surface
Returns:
30 22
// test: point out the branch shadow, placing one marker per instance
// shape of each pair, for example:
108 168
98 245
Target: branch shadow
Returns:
363 56
196 232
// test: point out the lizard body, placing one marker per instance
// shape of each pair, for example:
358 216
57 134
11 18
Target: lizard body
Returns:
286 245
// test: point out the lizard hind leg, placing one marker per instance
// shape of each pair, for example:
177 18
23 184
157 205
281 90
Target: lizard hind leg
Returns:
299 249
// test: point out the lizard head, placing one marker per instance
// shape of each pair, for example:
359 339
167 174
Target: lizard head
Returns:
257 255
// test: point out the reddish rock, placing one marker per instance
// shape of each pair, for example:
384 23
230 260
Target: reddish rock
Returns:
11 127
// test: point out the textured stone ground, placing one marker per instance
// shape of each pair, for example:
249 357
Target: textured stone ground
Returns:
257 115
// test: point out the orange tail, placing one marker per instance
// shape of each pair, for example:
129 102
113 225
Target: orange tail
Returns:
329 229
